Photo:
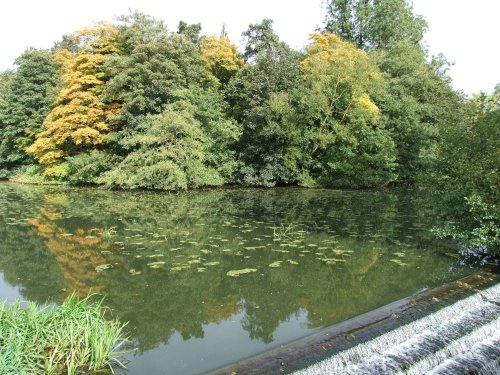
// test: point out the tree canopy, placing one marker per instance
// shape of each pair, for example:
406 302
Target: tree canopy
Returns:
81 117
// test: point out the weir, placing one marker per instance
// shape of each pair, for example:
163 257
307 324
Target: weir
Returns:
463 337
452 329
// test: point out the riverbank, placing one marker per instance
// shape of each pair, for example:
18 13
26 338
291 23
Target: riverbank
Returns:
318 350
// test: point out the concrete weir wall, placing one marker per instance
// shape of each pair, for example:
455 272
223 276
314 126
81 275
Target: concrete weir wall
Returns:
453 329
457 339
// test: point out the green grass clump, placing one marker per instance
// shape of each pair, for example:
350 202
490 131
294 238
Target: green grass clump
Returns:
69 339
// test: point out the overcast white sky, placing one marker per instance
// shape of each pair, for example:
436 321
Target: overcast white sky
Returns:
466 31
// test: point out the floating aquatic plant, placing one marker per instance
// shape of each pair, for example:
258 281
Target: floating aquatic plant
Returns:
283 232
180 268
158 264
106 233
103 267
211 263
276 264
236 273
399 262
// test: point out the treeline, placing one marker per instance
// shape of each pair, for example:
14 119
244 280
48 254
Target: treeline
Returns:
135 105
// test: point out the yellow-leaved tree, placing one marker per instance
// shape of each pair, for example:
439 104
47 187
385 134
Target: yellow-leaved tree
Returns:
81 116
348 141
341 78
220 57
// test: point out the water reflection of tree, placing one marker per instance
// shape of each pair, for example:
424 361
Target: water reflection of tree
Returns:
76 249
161 302
23 256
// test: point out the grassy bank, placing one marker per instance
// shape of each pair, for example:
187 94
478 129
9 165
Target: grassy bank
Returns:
65 339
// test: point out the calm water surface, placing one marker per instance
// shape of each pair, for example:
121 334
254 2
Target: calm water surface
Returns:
173 265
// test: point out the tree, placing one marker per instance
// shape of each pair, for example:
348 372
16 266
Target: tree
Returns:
32 90
166 153
152 65
417 101
371 24
272 67
340 19
221 133
261 38
5 81
220 58
192 32
464 185
81 118
348 144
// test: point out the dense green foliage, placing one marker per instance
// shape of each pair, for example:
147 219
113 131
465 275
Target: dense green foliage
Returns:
417 101
68 339
272 68
467 175
167 152
374 24
136 105
25 102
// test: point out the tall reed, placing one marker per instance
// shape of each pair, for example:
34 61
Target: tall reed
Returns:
72 337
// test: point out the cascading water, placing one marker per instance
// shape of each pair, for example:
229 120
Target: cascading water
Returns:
459 338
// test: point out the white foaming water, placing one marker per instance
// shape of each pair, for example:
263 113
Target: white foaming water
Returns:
463 335
476 350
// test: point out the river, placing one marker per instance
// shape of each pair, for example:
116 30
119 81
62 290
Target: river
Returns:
206 278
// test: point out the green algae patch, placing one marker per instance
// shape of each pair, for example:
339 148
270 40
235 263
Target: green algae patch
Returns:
158 264
399 262
215 263
237 273
103 267
180 267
